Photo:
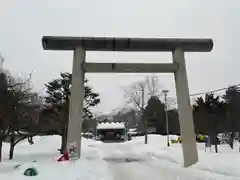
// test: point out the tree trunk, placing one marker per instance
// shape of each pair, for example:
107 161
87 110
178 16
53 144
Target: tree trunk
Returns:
232 139
146 131
232 136
63 144
30 140
12 145
214 141
214 134
11 151
64 141
216 148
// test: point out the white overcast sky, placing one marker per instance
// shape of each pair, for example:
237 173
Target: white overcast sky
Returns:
24 22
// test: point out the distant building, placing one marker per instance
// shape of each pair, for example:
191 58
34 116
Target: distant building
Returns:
111 131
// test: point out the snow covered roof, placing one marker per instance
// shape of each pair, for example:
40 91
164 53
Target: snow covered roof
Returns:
111 125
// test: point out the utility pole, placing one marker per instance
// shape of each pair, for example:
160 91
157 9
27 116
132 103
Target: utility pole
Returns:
143 118
166 115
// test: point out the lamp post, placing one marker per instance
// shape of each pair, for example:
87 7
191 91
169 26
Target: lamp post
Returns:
143 117
166 114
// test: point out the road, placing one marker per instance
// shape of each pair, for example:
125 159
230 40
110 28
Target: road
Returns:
125 163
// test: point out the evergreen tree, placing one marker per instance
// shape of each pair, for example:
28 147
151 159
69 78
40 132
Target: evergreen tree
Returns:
58 93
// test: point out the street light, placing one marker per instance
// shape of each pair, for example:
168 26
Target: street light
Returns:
143 118
166 114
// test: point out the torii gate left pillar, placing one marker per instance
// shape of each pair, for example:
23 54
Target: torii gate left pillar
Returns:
177 46
76 101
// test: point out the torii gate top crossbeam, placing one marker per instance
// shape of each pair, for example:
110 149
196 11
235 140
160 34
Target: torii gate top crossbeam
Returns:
126 44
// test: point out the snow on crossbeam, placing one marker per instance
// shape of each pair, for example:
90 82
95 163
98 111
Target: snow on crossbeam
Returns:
111 125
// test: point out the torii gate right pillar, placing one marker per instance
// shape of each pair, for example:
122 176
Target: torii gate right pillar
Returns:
184 109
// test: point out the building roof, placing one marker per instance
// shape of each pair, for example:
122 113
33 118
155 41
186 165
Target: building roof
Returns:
126 44
111 125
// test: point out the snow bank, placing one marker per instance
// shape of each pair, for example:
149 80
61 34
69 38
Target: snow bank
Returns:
44 152
93 164
226 162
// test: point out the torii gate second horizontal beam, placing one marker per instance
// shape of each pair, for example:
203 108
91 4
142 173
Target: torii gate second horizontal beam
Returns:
130 67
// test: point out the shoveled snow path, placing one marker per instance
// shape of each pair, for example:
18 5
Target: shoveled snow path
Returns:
126 163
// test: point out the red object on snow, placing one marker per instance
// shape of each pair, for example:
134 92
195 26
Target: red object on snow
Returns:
64 157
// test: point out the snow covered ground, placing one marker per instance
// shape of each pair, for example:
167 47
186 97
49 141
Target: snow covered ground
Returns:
114 161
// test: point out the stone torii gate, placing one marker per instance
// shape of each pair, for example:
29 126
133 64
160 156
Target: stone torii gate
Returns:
79 46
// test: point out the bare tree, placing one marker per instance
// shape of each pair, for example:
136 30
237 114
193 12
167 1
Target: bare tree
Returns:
133 93
22 110
15 109
153 86
139 93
